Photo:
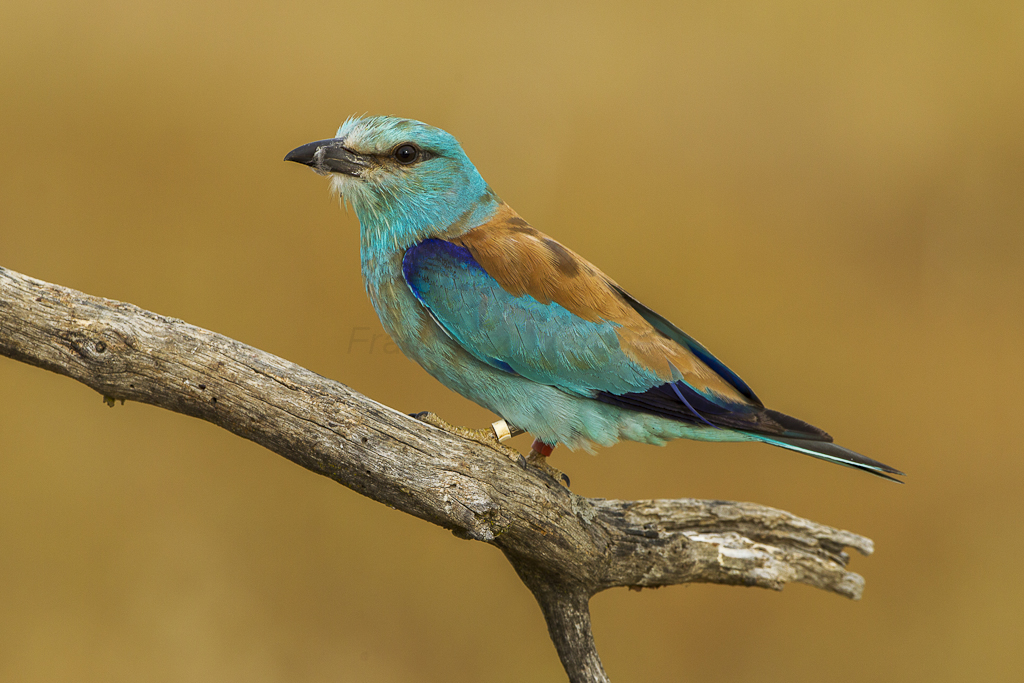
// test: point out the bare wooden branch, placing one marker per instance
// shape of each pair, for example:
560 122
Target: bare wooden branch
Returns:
565 548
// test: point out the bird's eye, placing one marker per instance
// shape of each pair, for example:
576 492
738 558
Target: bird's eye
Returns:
406 154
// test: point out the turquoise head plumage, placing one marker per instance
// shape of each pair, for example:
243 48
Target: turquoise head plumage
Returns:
405 179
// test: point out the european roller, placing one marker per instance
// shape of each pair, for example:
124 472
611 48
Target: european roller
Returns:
508 317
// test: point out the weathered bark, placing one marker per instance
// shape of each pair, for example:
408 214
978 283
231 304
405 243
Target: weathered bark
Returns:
565 548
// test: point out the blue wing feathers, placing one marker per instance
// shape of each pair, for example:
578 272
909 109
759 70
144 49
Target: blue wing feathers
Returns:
543 342
548 344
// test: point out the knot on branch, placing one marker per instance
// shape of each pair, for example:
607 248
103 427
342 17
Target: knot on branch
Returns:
467 501
100 344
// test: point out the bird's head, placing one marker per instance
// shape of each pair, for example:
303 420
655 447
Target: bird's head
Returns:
406 180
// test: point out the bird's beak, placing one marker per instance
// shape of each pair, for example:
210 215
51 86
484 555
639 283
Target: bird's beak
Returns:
329 156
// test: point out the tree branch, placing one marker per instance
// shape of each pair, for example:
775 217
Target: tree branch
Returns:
564 547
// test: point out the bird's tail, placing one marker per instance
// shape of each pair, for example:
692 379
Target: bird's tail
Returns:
829 451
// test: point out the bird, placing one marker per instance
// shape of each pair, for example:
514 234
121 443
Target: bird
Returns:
508 317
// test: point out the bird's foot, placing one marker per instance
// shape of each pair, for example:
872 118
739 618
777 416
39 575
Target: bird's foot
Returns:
538 457
488 437
484 437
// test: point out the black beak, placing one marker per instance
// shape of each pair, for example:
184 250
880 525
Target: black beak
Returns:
329 156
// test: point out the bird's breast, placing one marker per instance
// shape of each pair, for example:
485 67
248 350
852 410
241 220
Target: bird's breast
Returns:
405 319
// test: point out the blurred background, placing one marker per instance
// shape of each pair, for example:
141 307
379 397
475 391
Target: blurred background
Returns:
830 196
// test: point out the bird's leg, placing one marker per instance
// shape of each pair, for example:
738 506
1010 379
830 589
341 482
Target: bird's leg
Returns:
538 457
486 437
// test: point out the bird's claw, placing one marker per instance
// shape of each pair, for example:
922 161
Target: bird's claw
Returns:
541 463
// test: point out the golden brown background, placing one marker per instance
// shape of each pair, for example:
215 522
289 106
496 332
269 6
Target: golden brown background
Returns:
828 195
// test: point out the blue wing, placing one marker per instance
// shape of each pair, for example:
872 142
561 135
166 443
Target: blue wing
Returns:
547 343
542 342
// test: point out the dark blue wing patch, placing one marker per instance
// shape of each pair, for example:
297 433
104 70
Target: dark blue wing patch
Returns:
433 251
